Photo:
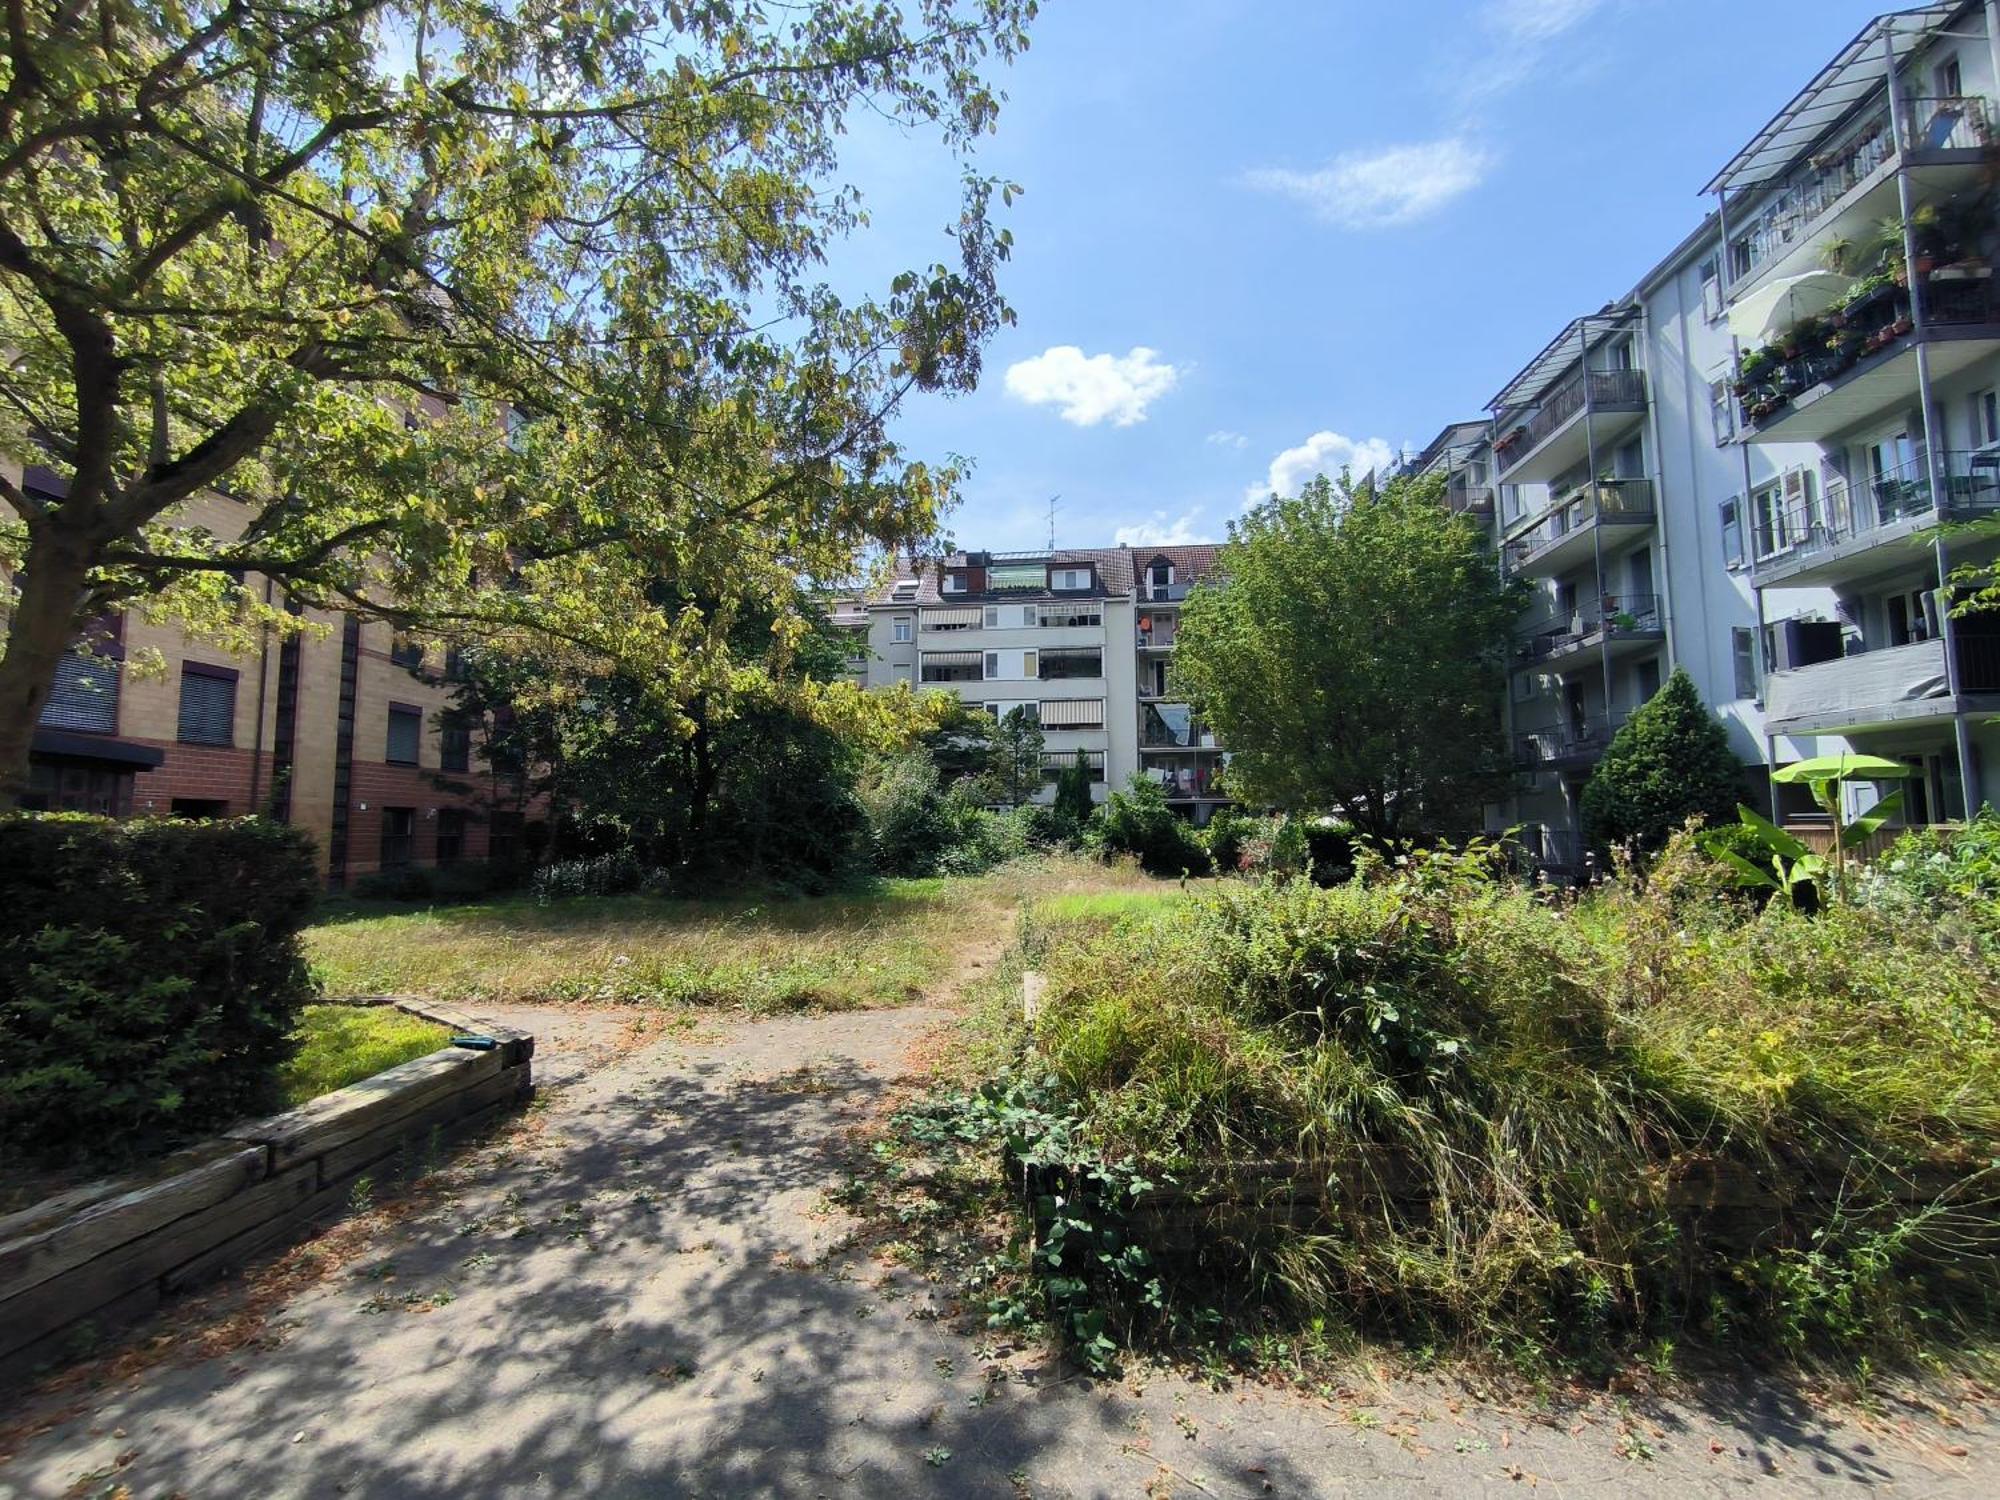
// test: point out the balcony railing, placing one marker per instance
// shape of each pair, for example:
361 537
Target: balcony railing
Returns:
1465 496
1618 499
1614 615
1823 349
1162 593
1595 388
1159 636
1810 194
1846 511
1582 739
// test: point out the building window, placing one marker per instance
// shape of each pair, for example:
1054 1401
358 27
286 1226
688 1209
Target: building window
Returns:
900 630
399 826
406 733
455 748
198 809
1985 419
954 583
503 838
1743 644
1070 578
450 835
1081 661
1055 762
68 787
208 705
1721 411
1711 289
406 653
1732 532
84 695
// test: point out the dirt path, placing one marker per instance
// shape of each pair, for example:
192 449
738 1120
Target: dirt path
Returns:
645 1294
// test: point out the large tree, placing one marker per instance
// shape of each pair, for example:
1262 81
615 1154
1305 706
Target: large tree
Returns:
486 315
1353 658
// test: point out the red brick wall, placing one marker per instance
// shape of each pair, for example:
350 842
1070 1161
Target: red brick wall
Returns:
378 785
212 773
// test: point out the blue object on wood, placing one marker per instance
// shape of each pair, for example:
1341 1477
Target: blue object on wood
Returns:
475 1043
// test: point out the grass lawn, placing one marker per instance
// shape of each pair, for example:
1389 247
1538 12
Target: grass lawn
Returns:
343 1044
886 944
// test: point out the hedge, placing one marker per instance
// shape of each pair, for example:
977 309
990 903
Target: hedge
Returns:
151 974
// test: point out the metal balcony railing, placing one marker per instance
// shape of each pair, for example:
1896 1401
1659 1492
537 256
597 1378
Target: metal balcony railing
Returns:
1595 388
1614 615
1939 123
1845 511
1556 743
1464 496
1619 499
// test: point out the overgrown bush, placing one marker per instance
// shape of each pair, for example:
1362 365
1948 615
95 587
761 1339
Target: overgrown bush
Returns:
1941 874
1530 1119
1137 820
918 826
150 976
1230 838
605 875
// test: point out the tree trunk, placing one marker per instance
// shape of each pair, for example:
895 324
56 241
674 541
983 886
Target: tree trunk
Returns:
39 635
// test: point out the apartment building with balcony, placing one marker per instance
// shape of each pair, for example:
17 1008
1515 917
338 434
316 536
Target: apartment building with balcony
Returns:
1740 466
335 730
1081 637
1856 235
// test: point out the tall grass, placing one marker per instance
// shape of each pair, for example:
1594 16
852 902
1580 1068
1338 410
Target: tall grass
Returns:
1659 1115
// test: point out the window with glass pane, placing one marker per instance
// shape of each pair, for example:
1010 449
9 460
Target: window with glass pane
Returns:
1744 643
406 730
399 826
84 696
208 706
455 749
450 835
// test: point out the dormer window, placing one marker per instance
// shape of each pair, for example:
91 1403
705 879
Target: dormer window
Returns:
1159 578
903 590
954 583
1069 578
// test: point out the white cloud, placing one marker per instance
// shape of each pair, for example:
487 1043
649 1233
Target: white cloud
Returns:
1532 21
1093 388
1227 439
1157 531
1382 189
1323 453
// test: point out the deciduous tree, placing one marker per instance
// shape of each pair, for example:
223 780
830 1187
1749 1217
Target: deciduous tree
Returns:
1354 657
486 315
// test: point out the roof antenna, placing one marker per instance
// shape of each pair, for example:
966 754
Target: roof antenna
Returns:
1052 521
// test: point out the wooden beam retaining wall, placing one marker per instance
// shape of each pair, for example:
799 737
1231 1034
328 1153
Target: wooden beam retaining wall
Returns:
79 1264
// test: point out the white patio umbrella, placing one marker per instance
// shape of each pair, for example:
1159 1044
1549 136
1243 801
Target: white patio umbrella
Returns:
1770 310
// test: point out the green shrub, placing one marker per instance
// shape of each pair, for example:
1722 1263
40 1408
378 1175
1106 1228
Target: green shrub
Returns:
1669 762
151 974
1137 820
1229 838
1504 1097
1941 874
604 875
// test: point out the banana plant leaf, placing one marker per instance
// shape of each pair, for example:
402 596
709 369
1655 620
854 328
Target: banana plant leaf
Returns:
1848 767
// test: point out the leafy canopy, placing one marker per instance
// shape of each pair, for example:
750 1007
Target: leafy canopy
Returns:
487 315
1355 657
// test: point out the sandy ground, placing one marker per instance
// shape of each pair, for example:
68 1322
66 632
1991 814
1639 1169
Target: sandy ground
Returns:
640 1290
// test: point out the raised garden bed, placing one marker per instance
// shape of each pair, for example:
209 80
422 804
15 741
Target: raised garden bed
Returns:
93 1257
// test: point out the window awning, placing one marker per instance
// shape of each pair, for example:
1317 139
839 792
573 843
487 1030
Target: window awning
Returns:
1062 713
951 658
967 615
56 744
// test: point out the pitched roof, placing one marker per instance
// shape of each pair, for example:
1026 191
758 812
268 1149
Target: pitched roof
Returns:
1118 570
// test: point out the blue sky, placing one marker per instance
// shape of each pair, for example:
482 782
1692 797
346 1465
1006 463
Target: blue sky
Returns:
1334 225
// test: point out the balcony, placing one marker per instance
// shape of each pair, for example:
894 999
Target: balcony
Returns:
1162 593
1564 535
1619 623
1842 535
1172 726
1159 635
1843 193
1830 374
1568 746
1879 689
1465 495
1557 436
1189 783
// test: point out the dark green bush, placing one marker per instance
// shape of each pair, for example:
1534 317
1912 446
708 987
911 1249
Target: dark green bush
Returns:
1137 820
1230 836
1669 762
150 976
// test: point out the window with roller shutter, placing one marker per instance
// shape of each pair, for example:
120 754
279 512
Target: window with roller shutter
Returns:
406 729
208 705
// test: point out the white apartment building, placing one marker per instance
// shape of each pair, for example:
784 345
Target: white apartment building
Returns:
1740 467
1080 637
